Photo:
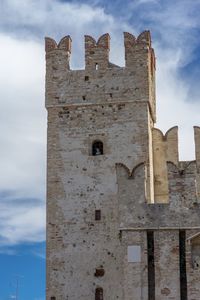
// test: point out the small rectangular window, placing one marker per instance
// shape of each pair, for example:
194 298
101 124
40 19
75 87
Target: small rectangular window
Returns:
97 214
99 272
97 148
53 298
99 294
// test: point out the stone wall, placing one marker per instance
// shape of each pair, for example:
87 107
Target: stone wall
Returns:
101 208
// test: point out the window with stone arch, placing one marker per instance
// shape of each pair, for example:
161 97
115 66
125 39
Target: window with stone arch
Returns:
97 148
99 293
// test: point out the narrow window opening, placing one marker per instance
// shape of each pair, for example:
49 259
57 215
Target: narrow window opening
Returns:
97 148
195 252
86 78
151 265
96 66
84 97
53 298
97 214
182 264
99 294
99 272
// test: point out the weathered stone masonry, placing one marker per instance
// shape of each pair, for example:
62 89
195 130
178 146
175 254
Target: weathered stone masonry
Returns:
123 213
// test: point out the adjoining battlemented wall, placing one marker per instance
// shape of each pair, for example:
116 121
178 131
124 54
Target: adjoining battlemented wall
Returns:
165 148
121 208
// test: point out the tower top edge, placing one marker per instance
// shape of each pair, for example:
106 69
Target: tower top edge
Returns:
103 41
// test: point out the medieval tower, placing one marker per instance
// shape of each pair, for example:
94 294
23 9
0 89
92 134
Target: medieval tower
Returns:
123 213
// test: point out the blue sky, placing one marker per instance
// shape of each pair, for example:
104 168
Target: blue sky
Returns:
175 29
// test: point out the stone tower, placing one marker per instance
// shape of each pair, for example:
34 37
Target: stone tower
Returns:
123 213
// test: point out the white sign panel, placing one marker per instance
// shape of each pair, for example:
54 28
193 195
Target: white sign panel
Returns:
134 254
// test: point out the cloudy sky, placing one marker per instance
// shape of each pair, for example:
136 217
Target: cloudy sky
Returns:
175 29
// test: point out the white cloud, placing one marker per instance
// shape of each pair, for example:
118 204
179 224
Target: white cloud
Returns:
23 140
23 118
147 1
39 253
173 105
21 221
8 251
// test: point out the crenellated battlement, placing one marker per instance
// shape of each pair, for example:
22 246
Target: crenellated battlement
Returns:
131 173
166 145
103 42
93 85
97 53
134 45
167 169
143 38
64 44
197 145
165 151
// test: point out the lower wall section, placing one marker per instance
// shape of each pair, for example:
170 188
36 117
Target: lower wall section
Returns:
174 256
135 265
193 264
166 250
130 265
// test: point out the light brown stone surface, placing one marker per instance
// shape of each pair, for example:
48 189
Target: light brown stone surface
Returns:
138 183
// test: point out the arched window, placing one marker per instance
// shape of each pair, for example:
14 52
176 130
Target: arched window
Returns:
97 148
99 293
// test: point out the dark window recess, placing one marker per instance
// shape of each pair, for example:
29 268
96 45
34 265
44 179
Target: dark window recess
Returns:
195 251
99 272
99 294
53 298
86 78
151 265
84 97
97 215
182 264
97 148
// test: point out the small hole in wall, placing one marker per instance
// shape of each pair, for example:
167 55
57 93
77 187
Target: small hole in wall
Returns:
96 66
97 214
53 298
99 293
84 97
86 78
99 272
